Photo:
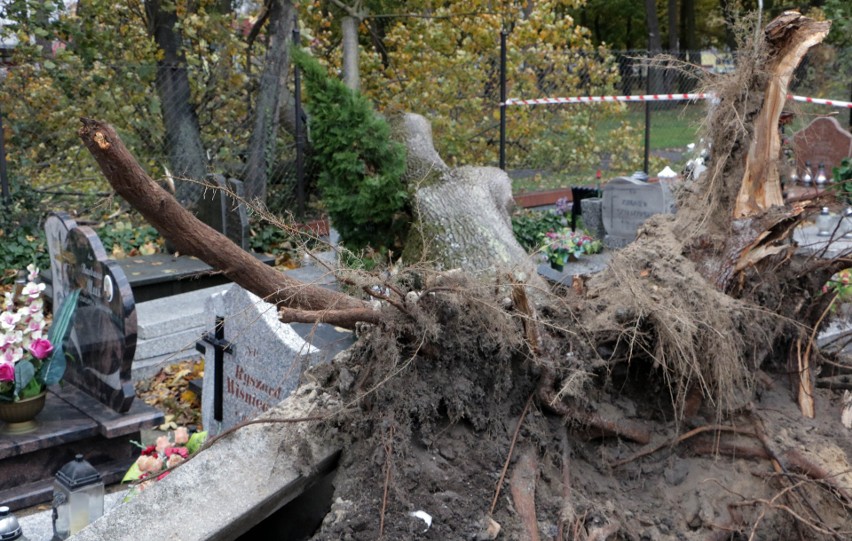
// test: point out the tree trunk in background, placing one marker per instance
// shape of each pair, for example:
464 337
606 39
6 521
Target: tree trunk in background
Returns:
655 45
349 29
671 12
688 39
262 146
183 135
728 13
461 214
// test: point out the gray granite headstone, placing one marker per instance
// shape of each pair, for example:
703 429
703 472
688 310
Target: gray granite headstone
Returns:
823 141
627 203
264 362
102 342
224 211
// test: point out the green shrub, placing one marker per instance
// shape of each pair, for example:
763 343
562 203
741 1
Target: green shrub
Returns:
21 234
359 168
530 226
127 238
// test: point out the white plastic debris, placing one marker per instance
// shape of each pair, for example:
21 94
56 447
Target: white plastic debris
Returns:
667 173
424 516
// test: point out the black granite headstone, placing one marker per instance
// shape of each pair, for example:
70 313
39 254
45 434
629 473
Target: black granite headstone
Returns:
103 339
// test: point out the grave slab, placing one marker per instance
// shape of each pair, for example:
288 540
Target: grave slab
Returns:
229 496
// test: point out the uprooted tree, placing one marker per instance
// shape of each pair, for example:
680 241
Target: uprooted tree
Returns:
699 305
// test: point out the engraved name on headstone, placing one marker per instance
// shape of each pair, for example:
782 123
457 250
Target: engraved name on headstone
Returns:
627 203
261 359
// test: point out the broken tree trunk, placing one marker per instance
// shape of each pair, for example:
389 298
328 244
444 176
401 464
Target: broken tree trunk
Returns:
461 214
301 302
789 37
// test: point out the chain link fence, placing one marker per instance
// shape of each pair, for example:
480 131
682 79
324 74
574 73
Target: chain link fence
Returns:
620 133
545 145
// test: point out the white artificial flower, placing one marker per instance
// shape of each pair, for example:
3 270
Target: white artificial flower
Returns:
33 290
8 320
13 355
32 272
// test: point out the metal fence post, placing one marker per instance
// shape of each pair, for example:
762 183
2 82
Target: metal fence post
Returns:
647 121
300 143
503 34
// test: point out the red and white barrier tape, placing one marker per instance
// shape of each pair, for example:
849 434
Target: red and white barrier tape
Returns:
658 97
605 99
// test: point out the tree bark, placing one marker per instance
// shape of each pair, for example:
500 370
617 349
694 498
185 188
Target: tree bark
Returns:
262 147
790 35
349 29
461 215
301 302
655 45
183 134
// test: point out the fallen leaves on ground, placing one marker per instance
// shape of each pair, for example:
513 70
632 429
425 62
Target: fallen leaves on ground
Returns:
169 392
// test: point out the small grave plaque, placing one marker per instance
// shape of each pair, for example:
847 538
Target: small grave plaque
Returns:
822 141
261 359
103 339
627 203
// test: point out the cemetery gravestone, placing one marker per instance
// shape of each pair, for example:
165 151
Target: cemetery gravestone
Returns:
627 203
252 360
103 338
822 141
222 209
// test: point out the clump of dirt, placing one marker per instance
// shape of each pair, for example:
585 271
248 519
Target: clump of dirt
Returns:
434 423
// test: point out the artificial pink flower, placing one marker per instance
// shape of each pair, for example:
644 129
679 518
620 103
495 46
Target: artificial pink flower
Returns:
181 435
180 451
7 372
41 348
174 460
148 464
163 443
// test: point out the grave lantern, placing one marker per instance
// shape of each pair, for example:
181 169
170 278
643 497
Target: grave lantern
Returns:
9 527
78 498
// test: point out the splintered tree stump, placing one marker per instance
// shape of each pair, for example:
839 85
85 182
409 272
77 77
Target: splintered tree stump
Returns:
789 36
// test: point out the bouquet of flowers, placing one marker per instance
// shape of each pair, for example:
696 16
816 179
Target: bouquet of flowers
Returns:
563 245
31 356
156 460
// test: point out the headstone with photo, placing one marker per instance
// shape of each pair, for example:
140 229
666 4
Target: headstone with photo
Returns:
823 141
93 412
627 203
252 360
103 338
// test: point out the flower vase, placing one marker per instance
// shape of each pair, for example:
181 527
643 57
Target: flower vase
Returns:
557 266
20 416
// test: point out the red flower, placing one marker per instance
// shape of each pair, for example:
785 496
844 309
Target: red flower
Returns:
150 450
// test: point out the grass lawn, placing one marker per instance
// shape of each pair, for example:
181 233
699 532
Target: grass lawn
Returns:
671 129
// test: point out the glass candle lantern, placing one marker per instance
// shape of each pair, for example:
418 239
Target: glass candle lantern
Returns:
78 498
821 178
807 176
10 530
824 223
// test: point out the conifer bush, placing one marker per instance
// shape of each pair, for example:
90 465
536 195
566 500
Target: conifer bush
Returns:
359 167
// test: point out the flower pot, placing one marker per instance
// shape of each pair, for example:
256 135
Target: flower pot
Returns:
557 266
20 416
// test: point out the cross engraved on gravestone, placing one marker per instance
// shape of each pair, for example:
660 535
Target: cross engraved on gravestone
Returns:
627 203
262 359
103 337
822 141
